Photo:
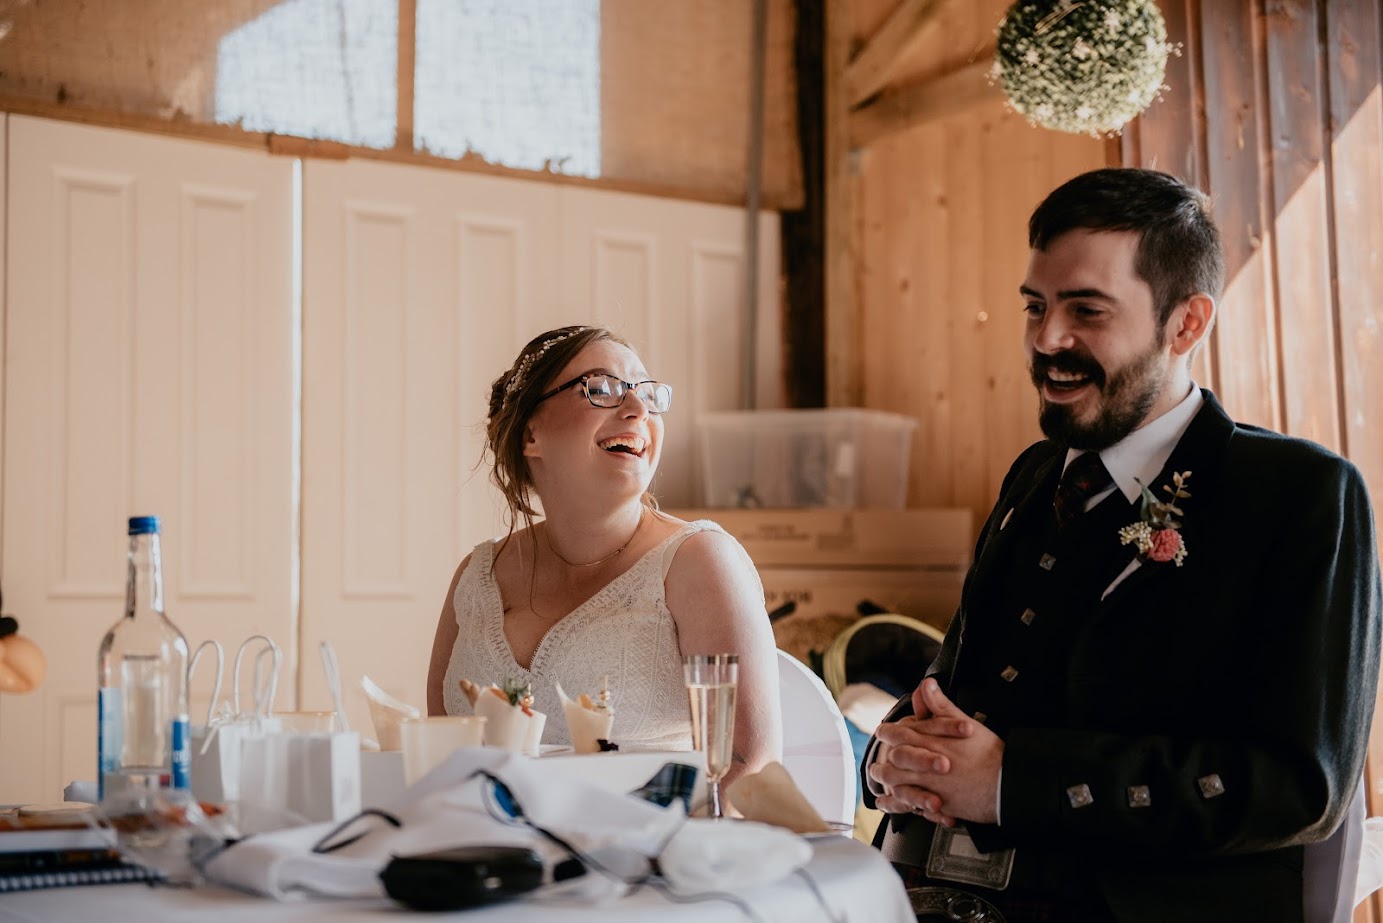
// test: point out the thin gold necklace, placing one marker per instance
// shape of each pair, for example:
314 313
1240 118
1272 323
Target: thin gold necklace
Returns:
548 538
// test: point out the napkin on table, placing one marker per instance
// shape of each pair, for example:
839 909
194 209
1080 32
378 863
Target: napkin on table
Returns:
452 806
771 797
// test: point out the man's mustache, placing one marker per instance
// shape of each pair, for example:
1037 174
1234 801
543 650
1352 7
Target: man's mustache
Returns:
1068 361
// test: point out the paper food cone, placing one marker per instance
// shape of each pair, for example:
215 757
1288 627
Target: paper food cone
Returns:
508 727
532 741
586 726
771 797
386 713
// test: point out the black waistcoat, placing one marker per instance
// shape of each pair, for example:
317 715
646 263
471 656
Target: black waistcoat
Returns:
1012 668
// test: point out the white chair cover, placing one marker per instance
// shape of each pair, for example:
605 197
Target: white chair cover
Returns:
816 745
1330 868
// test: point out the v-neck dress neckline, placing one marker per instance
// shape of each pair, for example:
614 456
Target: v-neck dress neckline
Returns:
624 630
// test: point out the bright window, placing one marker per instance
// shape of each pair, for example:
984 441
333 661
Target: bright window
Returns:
515 81
314 68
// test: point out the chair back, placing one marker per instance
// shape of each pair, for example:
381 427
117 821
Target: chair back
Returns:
1330 868
891 651
816 745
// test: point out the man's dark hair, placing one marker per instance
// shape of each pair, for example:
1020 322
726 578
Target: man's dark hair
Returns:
1179 250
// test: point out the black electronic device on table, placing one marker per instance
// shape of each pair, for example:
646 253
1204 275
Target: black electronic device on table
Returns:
465 876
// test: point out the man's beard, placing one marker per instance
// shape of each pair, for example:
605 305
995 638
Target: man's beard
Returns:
1125 398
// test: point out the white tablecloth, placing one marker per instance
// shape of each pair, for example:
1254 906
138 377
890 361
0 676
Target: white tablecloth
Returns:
855 883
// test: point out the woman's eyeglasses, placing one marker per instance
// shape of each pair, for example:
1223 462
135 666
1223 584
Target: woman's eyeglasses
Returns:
607 391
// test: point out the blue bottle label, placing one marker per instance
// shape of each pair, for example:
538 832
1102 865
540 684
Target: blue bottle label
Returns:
182 754
109 736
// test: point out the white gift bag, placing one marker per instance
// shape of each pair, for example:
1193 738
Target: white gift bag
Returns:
315 776
216 750
216 745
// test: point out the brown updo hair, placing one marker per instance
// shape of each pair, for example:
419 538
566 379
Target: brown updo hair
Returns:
514 398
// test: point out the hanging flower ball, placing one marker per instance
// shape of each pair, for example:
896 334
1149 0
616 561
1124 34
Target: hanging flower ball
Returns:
1082 66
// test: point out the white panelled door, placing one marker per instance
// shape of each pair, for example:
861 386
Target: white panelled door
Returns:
148 370
419 288
669 277
417 283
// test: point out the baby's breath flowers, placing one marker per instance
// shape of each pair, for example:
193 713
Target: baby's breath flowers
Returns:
1156 535
1081 66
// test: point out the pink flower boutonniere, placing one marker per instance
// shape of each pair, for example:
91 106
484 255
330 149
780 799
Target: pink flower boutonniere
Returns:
1157 537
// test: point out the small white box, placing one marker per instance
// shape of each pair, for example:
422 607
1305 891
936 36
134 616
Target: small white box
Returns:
381 777
837 457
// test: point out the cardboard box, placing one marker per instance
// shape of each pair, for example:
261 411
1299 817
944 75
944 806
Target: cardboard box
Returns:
930 596
827 561
939 540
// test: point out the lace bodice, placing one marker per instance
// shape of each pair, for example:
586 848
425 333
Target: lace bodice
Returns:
624 630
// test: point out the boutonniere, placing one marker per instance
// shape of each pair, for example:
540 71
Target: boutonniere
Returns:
1157 536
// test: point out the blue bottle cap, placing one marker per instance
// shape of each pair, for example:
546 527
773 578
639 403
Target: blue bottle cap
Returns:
143 525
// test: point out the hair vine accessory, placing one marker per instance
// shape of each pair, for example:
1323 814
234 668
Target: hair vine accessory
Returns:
526 363
548 538
1157 537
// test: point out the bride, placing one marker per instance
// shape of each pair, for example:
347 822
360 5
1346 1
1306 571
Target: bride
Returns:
604 583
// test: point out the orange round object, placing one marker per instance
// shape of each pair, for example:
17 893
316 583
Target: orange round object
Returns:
22 664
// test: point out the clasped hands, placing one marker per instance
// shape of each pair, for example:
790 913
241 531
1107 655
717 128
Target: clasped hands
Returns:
938 762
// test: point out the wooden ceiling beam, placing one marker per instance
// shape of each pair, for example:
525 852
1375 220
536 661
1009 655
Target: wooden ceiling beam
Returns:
937 98
872 66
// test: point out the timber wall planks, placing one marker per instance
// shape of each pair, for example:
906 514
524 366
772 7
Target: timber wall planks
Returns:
1274 108
941 247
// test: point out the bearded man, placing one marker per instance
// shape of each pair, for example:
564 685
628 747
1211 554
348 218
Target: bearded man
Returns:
1157 690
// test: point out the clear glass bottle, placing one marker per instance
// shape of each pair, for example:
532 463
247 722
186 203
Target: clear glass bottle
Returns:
143 733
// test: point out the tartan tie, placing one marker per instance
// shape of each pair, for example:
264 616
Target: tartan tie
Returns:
1082 479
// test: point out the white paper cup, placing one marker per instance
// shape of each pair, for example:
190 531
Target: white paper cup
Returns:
429 741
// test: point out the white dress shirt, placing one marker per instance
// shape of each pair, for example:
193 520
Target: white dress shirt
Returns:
1141 454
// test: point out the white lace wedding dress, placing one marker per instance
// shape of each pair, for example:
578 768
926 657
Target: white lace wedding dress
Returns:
625 630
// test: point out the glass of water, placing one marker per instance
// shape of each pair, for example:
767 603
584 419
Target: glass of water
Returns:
711 683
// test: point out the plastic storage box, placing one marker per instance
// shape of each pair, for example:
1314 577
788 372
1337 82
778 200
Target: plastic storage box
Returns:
839 457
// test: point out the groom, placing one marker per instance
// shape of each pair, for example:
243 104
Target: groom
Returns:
1158 686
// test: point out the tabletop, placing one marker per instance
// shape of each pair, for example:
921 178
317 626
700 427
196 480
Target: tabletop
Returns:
845 880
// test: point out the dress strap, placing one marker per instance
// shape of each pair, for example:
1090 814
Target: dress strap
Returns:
687 531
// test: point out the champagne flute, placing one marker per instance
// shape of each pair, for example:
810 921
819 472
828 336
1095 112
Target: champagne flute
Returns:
711 683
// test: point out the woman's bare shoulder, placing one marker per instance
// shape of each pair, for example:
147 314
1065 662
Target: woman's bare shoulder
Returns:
711 554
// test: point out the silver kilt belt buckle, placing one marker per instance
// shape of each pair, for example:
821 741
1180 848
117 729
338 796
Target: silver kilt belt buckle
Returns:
948 905
953 857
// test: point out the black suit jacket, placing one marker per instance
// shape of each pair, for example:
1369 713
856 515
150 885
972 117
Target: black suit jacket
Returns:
1256 661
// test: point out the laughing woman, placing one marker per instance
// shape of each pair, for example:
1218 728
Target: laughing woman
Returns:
604 583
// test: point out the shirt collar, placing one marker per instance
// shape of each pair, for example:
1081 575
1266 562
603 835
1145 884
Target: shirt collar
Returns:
1141 454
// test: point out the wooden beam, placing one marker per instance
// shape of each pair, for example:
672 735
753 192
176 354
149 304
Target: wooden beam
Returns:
314 148
844 381
875 62
293 146
804 229
924 102
408 41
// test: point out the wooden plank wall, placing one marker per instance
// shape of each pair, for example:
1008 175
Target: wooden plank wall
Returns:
941 247
1274 109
